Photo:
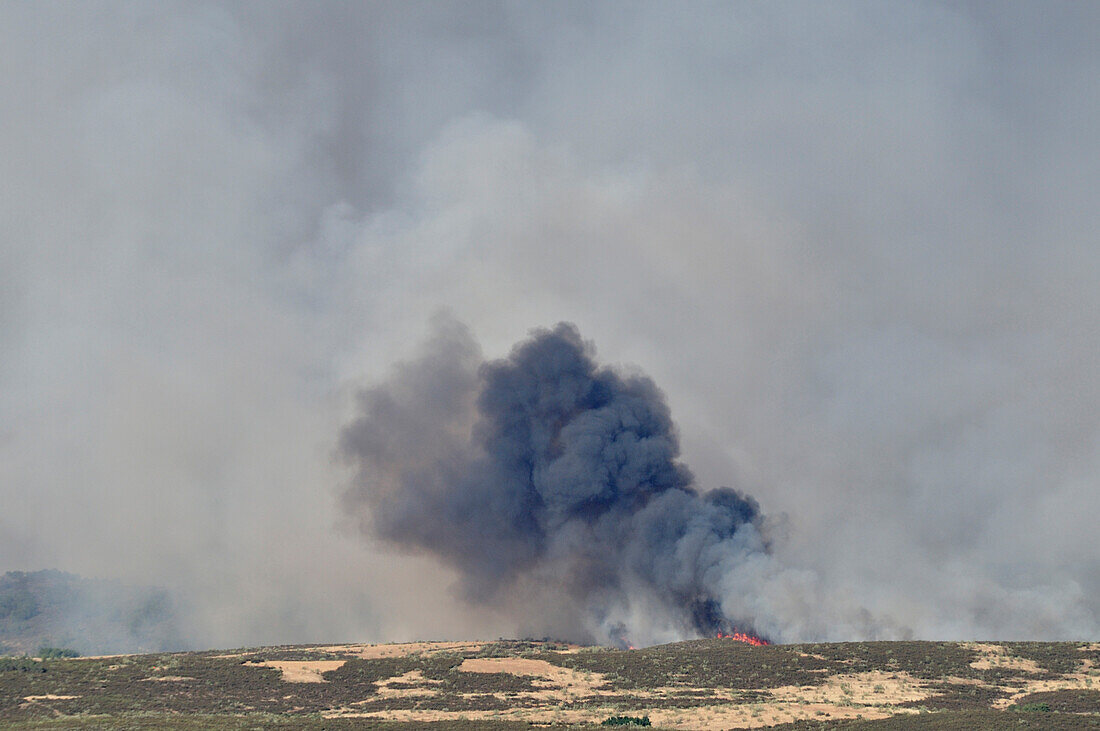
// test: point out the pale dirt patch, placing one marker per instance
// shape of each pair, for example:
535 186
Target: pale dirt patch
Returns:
424 716
423 687
554 683
50 697
336 649
392 649
996 656
722 716
1070 681
164 679
538 716
402 649
1075 681
521 666
757 715
301 671
862 689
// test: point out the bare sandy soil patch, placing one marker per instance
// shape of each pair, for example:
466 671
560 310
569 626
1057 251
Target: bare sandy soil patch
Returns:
50 697
758 715
996 656
422 687
554 682
709 717
423 716
402 649
862 689
541 669
1076 681
302 671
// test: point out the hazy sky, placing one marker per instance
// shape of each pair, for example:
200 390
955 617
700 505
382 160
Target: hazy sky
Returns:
854 243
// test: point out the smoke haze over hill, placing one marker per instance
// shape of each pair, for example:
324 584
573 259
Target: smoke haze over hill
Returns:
853 243
59 610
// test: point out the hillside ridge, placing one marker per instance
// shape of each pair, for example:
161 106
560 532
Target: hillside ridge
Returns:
695 684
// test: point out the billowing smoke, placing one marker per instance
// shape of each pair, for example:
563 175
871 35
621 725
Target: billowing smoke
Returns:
545 472
854 243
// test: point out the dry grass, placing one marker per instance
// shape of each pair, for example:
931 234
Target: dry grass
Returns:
302 671
997 656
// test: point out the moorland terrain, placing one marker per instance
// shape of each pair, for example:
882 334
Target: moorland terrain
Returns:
518 684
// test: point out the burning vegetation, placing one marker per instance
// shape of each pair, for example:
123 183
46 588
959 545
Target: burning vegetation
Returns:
744 637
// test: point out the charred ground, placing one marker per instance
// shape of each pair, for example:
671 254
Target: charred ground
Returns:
518 684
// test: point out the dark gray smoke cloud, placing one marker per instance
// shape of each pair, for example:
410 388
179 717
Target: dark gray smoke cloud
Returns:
565 477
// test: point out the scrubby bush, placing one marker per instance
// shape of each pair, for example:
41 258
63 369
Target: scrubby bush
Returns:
20 665
627 721
53 653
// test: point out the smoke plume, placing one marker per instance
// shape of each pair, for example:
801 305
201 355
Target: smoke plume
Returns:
548 471
854 243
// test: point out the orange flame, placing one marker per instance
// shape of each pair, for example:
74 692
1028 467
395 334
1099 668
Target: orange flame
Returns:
743 637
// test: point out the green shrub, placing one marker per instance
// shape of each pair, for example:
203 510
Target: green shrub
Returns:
53 653
21 665
627 721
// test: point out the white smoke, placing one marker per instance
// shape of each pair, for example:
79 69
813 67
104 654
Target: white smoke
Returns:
854 246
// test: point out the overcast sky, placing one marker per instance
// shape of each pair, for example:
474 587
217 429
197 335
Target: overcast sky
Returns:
854 243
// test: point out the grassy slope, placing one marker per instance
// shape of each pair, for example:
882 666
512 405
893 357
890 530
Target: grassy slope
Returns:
206 690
